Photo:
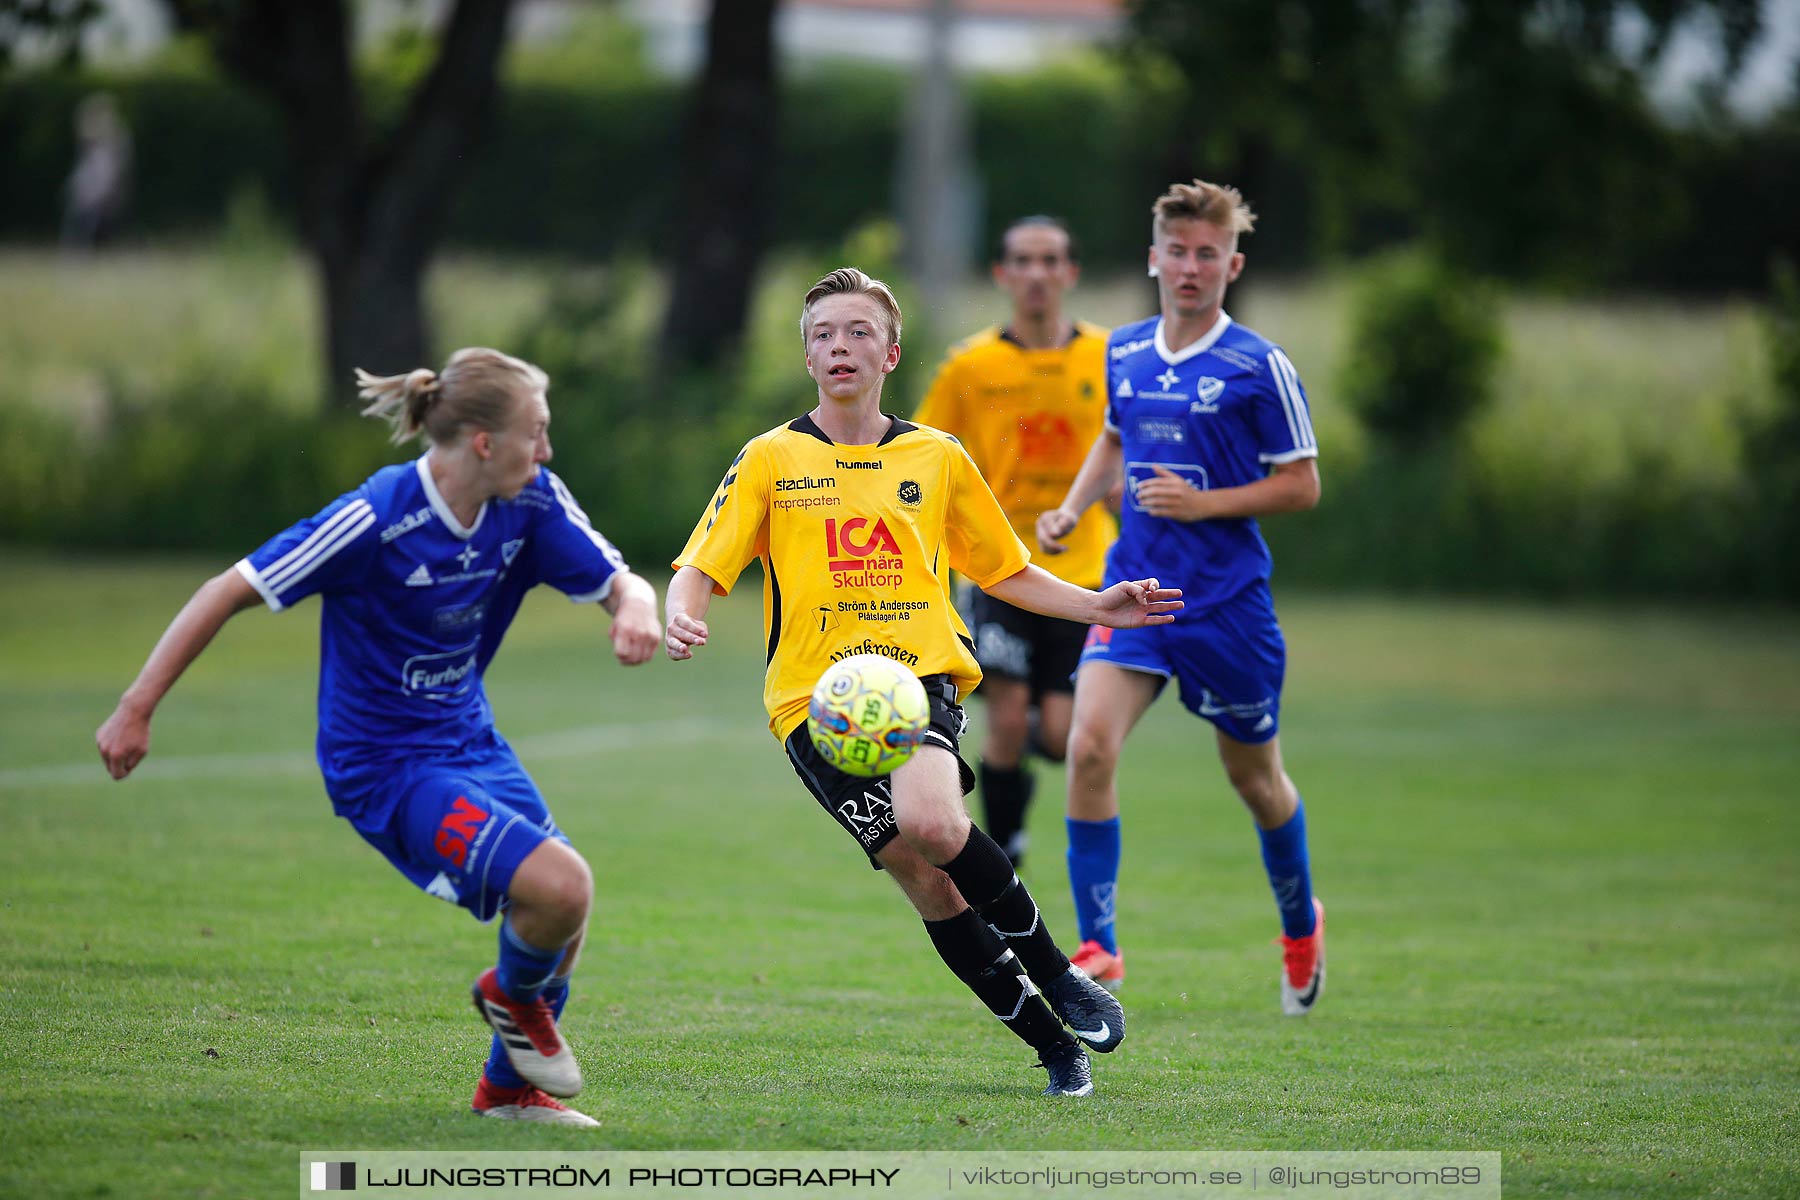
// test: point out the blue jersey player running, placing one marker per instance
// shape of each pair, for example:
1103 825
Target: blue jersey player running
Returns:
1209 427
421 570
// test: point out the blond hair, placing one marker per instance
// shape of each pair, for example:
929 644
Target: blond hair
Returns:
477 387
1215 203
848 281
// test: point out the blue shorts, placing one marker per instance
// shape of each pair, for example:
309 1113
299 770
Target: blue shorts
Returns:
459 825
1229 662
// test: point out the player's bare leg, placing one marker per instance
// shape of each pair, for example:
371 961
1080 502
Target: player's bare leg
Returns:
1056 711
1262 783
1109 701
1259 779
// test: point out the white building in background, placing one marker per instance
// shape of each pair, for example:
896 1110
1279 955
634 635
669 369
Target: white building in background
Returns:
990 34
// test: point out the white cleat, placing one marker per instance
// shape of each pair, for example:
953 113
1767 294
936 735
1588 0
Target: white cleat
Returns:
533 1044
527 1104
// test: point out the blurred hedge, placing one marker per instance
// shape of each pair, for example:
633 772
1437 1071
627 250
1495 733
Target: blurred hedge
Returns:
199 459
589 167
582 160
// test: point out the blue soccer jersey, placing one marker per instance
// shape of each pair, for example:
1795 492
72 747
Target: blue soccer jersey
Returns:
1218 412
415 604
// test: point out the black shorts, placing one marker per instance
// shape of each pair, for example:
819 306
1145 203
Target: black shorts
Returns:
865 806
1012 643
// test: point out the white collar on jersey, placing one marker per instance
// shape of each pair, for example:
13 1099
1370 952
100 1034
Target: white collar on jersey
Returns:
1200 347
441 508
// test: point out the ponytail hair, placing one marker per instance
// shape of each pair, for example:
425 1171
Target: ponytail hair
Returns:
478 387
400 400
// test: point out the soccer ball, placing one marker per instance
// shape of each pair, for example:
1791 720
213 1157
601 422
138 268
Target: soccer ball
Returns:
868 714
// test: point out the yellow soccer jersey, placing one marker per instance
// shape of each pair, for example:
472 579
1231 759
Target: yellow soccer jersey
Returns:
857 544
1028 419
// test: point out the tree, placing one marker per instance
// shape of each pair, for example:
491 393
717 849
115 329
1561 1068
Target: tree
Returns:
1516 131
54 27
728 154
1540 151
371 203
1271 81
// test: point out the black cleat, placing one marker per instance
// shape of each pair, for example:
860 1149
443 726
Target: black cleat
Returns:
1067 1063
1092 1013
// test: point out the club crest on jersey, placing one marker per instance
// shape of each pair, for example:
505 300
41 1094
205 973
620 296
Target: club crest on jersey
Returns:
861 553
910 493
1208 390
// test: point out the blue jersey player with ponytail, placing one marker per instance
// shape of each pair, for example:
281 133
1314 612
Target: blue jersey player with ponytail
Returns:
420 570
1209 427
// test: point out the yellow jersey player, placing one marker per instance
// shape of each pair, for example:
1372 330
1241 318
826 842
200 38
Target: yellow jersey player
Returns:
1026 400
858 518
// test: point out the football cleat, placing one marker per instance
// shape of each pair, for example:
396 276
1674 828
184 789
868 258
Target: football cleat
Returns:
1105 967
528 1032
1092 1013
526 1104
1067 1063
1303 967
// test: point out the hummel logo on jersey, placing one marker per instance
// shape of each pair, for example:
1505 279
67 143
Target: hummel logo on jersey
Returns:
419 578
468 556
1124 391
1168 379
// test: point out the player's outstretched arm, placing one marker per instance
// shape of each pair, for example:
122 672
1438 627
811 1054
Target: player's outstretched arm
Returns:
635 629
1099 474
125 737
690 595
1122 606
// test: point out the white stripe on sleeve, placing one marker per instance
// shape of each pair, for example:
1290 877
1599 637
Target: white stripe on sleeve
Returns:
339 531
1293 402
580 520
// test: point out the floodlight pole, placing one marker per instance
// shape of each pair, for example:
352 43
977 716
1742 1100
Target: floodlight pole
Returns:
939 198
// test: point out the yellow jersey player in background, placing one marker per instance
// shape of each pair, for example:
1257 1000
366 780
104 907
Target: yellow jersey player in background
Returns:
1026 400
858 518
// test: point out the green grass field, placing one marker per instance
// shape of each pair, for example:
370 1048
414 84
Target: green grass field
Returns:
1559 848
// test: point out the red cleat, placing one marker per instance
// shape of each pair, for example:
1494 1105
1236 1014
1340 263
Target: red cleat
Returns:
528 1031
1303 967
1102 965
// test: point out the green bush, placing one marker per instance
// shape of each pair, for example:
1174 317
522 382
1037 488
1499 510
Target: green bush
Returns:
587 163
199 463
1772 444
1425 344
